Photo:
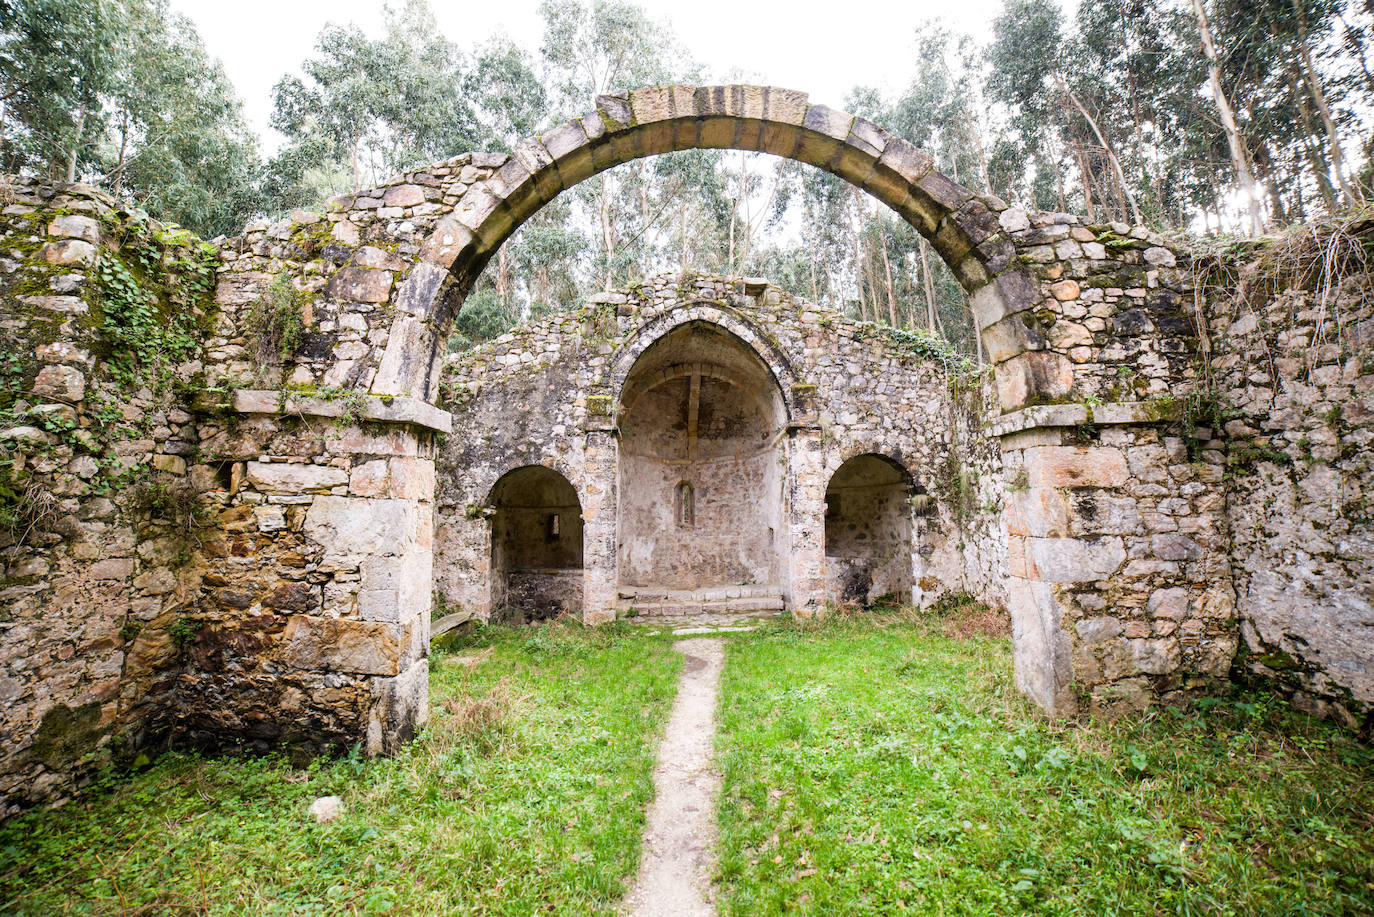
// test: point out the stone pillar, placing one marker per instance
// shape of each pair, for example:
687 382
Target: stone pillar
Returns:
805 510
1119 582
322 591
600 511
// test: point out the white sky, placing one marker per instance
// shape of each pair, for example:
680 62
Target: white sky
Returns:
823 49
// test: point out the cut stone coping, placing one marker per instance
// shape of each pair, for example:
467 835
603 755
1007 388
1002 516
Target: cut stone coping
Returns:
400 409
1076 415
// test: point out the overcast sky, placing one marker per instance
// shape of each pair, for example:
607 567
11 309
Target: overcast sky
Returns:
823 49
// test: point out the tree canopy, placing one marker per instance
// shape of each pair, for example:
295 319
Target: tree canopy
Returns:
1192 115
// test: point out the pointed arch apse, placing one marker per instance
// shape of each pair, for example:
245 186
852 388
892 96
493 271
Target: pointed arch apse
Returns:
702 466
868 531
536 545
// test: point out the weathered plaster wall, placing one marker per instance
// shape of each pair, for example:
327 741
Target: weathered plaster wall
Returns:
701 411
1293 367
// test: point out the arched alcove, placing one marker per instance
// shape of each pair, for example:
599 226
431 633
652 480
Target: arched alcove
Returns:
868 531
701 466
536 545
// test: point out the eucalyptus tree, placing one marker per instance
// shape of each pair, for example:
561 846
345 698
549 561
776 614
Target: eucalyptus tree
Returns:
58 59
605 46
1053 100
175 139
122 94
372 107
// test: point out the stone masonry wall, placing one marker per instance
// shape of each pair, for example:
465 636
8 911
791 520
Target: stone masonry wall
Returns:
218 500
1119 580
1293 370
313 616
547 394
102 501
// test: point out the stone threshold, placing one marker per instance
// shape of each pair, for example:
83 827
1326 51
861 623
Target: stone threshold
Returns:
732 620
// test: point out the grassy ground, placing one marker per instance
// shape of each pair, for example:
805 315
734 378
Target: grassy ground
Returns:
883 770
870 766
526 794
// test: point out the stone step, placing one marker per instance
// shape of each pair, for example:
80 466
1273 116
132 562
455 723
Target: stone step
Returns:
640 595
703 619
689 608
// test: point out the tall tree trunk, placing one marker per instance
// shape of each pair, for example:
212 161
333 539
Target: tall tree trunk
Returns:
1333 137
1355 45
859 269
1314 157
734 216
874 294
682 249
353 161
811 261
932 312
1085 174
1106 147
1151 188
502 273
76 144
887 269
1058 178
603 212
1240 158
645 219
123 151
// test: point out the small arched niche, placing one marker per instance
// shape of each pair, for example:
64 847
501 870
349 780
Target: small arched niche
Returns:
536 546
868 532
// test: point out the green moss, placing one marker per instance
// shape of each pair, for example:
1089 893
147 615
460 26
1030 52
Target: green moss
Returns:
313 237
66 734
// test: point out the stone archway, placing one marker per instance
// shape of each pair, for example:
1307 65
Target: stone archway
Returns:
962 227
702 450
737 326
1066 311
868 531
536 545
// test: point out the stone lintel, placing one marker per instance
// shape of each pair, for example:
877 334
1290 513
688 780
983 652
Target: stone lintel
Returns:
1076 415
400 410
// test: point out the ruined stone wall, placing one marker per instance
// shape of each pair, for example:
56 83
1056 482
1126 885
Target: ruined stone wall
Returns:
1119 575
1293 377
347 262
312 620
974 483
103 503
548 394
252 566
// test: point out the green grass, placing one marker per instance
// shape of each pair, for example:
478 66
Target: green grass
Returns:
891 769
871 766
526 794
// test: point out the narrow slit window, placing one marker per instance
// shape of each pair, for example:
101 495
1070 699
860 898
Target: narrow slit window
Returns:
686 504
553 526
